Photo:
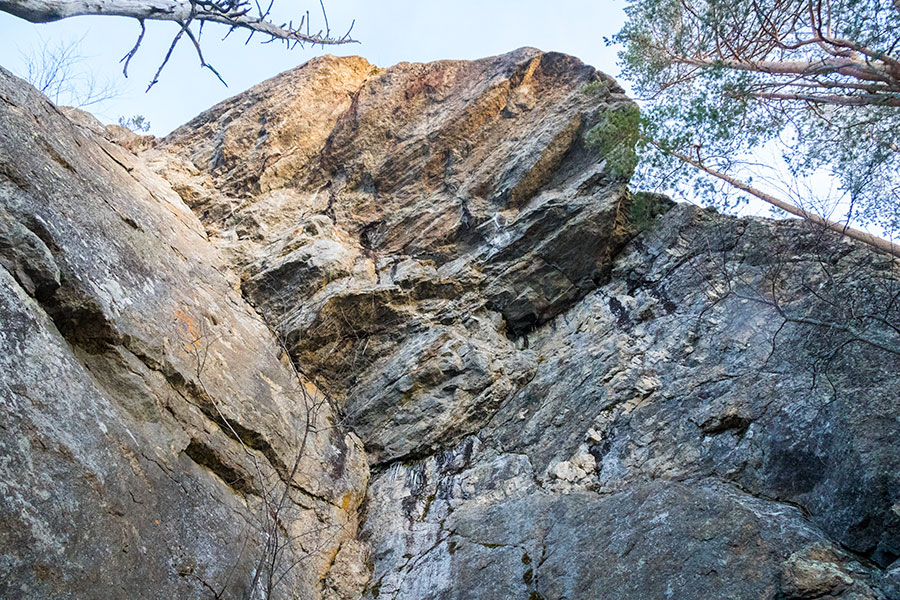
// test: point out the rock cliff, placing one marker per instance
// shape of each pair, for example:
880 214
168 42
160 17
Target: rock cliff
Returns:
398 333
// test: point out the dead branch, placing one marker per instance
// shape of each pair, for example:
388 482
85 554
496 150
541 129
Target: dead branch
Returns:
234 14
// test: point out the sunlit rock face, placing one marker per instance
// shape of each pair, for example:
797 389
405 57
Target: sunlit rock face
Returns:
399 228
518 392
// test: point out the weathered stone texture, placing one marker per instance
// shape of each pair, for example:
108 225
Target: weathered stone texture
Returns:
132 371
669 443
527 398
450 206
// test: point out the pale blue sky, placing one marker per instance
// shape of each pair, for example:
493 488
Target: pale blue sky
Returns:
390 31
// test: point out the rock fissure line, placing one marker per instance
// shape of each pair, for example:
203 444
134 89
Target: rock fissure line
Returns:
508 364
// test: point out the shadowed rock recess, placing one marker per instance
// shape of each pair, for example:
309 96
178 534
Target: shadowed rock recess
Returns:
519 389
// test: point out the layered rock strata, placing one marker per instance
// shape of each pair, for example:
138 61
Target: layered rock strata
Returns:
424 285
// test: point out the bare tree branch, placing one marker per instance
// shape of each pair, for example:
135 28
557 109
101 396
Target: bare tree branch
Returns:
856 234
854 100
54 71
232 13
858 69
127 58
235 14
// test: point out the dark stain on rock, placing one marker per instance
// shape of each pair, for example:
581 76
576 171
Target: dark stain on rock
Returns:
621 313
732 422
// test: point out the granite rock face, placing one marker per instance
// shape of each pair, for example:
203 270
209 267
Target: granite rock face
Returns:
147 409
687 434
516 393
397 245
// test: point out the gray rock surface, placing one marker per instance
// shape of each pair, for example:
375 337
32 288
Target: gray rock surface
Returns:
396 245
669 443
518 394
147 408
